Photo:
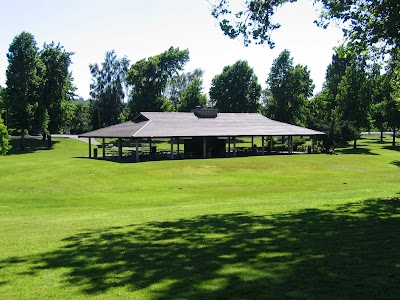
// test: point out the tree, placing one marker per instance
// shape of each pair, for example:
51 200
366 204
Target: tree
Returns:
354 96
148 79
290 87
317 111
192 96
108 88
365 22
381 90
57 86
323 112
23 79
334 74
236 89
77 116
393 101
178 83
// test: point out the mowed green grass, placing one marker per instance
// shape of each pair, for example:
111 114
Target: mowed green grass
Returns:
299 226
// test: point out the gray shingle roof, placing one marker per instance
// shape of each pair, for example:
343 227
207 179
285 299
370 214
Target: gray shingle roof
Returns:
177 124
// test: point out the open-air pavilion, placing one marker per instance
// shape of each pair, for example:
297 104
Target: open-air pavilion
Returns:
202 133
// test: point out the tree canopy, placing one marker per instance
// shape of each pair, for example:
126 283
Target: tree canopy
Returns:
148 79
290 88
178 83
192 96
37 84
365 22
108 89
236 89
24 77
57 85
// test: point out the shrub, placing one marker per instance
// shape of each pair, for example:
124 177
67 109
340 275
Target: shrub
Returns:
4 146
298 142
302 148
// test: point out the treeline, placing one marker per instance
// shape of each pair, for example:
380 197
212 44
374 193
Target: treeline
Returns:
360 93
39 91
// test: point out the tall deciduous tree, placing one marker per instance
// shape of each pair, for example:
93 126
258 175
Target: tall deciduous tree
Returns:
178 83
393 102
334 74
24 77
57 85
355 95
148 79
108 89
351 86
192 96
290 88
236 89
365 22
77 116
380 93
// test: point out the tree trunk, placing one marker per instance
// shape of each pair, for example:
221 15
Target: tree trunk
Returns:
22 140
355 144
394 137
381 135
49 141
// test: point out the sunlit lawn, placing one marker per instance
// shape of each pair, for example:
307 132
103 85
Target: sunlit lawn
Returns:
299 226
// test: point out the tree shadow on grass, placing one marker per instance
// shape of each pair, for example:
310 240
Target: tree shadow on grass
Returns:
393 148
31 145
396 163
349 252
356 151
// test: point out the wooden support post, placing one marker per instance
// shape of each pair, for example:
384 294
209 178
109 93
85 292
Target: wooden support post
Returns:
270 143
178 147
119 148
90 148
234 147
263 145
313 144
137 151
290 144
204 147
229 146
103 146
172 148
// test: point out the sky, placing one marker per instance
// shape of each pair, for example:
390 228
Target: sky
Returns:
139 29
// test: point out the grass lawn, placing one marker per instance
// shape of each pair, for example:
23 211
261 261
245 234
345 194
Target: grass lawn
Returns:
299 226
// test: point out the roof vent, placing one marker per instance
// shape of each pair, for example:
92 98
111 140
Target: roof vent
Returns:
208 112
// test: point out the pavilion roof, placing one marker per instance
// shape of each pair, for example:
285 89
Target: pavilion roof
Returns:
181 124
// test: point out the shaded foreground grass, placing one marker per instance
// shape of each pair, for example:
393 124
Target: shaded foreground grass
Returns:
303 226
349 252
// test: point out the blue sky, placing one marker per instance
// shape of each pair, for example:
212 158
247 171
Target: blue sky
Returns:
139 29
